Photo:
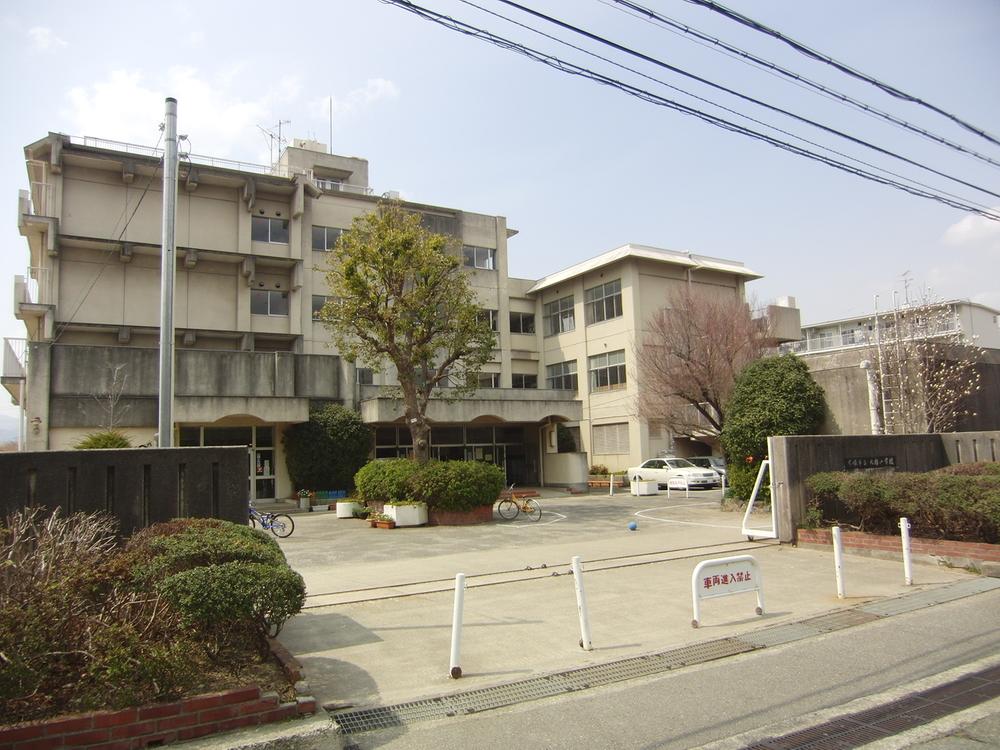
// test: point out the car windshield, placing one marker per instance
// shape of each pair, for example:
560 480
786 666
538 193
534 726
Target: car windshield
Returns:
680 463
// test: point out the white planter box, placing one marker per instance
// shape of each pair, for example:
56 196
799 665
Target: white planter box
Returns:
346 508
407 515
644 487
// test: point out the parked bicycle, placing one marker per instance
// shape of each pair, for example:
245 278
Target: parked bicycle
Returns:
511 506
280 524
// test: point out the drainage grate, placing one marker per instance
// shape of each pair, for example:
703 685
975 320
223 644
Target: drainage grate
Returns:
546 686
921 599
872 724
898 716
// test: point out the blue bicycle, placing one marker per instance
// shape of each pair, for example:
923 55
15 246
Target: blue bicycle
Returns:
280 524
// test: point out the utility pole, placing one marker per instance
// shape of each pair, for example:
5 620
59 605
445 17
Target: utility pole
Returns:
168 269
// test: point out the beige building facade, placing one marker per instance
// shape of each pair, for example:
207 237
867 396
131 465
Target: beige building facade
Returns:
253 243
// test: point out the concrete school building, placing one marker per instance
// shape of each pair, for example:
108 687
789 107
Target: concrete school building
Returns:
251 359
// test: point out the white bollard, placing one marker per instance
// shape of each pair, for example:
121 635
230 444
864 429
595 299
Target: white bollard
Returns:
611 487
838 561
581 604
456 625
904 530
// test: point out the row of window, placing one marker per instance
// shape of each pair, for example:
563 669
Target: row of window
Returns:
606 371
324 239
602 302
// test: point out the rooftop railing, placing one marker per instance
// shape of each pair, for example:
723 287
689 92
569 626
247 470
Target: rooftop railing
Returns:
15 357
847 339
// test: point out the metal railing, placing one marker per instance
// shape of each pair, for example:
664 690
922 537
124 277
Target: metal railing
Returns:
15 357
335 186
39 200
34 281
847 339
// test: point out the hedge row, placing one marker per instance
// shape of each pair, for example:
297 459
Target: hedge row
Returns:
444 485
952 503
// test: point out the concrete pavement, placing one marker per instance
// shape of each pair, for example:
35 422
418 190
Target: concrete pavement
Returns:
376 630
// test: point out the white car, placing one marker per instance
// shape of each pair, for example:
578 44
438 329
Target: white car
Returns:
674 473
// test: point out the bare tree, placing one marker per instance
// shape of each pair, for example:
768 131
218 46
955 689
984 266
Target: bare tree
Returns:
926 367
114 412
689 358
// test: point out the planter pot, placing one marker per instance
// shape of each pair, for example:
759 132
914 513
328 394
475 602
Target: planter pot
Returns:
386 524
407 515
305 503
345 509
644 487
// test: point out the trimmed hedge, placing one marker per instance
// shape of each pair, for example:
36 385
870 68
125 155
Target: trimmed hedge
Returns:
443 485
945 504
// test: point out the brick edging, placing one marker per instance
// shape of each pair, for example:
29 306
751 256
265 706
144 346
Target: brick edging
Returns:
946 549
163 723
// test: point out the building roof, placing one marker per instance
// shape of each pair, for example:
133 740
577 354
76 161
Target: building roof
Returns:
675 257
865 316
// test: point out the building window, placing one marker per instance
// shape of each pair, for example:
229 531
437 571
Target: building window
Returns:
562 376
479 257
268 302
266 229
318 301
489 380
492 317
559 316
325 238
603 302
611 438
522 322
607 371
524 381
364 376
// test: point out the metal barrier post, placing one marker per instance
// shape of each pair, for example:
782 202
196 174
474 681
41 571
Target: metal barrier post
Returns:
838 561
456 625
611 484
581 604
904 529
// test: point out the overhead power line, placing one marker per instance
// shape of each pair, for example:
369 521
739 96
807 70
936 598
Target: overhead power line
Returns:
842 67
651 15
744 97
660 81
573 69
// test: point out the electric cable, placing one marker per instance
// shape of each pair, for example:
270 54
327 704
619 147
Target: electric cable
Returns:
642 94
715 104
745 97
842 67
650 15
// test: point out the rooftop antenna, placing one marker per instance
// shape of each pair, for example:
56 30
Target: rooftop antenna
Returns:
272 138
330 147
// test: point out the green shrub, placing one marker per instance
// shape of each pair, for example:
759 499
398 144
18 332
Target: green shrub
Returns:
236 599
950 505
457 485
771 396
740 479
175 546
326 452
104 439
981 468
386 480
599 470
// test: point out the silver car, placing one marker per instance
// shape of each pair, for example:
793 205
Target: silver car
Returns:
674 473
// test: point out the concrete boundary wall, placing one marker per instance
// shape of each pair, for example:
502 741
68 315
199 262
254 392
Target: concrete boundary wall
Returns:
139 486
795 458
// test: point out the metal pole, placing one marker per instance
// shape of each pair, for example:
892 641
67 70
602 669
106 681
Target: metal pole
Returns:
581 605
838 561
904 529
611 488
168 268
456 625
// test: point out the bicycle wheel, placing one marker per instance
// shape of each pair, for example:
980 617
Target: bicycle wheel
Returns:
507 509
532 509
253 522
282 525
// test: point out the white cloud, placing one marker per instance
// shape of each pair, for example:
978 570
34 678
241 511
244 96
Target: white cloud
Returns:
354 102
974 230
43 39
196 38
125 106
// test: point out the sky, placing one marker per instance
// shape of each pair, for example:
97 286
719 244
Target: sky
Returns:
576 167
